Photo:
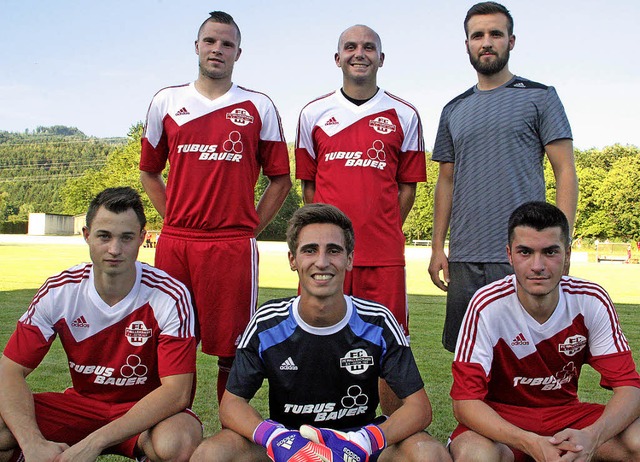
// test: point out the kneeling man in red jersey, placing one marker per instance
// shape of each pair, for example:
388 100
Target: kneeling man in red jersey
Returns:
127 330
520 351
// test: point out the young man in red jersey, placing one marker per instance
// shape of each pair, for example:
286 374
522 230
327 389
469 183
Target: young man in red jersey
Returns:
127 330
520 351
217 137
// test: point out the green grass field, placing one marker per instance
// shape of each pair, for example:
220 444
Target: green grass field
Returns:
25 267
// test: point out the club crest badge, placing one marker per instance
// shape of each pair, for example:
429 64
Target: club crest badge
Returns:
573 345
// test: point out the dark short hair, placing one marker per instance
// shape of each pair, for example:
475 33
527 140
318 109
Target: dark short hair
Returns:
539 216
317 214
221 18
117 200
488 8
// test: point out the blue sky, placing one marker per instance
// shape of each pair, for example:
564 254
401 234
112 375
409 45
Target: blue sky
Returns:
96 65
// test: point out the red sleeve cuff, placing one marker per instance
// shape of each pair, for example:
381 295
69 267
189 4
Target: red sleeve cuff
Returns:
617 370
176 355
469 381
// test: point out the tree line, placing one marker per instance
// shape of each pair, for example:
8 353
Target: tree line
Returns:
35 166
58 170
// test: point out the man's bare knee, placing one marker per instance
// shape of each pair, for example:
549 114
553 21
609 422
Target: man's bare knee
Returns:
417 448
631 438
472 447
625 446
174 439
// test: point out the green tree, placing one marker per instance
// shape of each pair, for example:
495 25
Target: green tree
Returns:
601 191
605 157
419 223
277 229
120 169
4 203
588 219
618 199
23 213
59 130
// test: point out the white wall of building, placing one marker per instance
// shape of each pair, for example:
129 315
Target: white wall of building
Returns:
41 224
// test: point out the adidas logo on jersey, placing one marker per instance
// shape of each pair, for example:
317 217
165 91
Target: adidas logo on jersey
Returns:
80 322
331 121
519 340
519 85
288 365
182 111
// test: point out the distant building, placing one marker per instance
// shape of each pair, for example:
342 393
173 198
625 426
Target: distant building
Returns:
79 221
41 224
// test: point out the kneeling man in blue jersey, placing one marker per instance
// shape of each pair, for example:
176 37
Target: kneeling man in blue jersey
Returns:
522 345
127 330
322 354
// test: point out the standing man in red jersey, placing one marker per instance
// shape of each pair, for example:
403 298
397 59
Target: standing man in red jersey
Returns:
361 149
216 136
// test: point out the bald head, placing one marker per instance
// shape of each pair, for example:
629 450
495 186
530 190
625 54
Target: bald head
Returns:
359 56
360 28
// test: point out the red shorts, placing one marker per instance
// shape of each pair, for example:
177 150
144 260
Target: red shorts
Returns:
222 276
546 421
386 285
68 418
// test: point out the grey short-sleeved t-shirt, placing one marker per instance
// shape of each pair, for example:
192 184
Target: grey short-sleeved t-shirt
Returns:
496 141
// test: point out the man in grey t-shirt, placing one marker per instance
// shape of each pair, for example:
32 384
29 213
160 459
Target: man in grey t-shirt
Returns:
491 144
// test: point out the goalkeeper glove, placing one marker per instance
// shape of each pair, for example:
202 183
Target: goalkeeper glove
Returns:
284 445
344 446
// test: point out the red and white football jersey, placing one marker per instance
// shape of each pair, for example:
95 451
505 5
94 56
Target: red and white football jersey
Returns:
357 155
215 150
506 356
116 353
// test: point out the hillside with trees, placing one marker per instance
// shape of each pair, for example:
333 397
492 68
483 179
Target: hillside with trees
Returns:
34 167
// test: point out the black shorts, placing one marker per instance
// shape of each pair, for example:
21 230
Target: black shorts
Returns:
466 278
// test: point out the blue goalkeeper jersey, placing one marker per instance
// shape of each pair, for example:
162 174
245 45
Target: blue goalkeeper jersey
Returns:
328 376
